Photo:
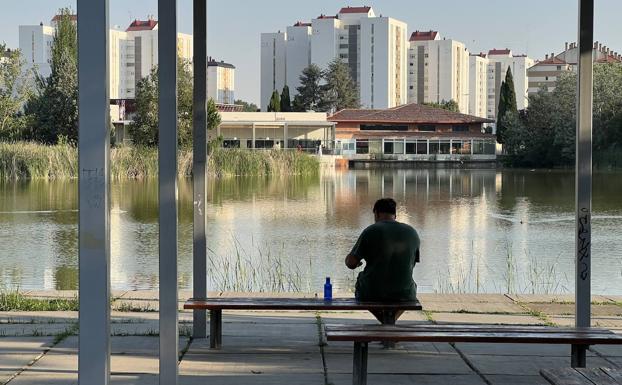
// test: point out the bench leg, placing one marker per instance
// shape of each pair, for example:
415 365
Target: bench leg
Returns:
215 328
578 356
389 317
359 369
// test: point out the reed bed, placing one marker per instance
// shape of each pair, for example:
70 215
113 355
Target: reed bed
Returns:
26 160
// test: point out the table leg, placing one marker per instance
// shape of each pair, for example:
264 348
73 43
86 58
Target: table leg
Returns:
359 369
215 327
578 356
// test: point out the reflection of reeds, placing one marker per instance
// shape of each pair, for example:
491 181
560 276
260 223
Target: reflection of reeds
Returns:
538 276
257 270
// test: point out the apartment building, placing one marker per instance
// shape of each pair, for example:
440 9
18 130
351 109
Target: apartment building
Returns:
133 53
438 70
374 48
544 74
499 60
478 85
220 82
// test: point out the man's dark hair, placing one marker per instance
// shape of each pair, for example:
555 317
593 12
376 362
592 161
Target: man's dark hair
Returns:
386 206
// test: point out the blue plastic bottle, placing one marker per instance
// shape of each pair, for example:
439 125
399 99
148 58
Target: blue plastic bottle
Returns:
328 290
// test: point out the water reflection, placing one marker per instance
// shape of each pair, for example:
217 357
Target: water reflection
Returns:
481 230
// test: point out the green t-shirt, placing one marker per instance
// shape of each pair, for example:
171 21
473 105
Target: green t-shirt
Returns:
390 250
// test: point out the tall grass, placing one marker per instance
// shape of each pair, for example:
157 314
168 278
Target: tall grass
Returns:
16 301
260 269
24 160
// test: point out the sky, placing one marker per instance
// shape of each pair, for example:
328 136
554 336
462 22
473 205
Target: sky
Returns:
533 27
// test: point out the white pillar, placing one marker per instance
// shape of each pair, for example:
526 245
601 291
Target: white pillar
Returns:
167 57
94 193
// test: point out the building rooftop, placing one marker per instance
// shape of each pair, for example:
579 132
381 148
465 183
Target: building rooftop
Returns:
608 59
409 113
423 35
214 63
481 54
364 9
302 24
142 25
327 17
551 61
495 51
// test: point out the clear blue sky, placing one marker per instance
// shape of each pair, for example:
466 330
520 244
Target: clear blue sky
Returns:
535 27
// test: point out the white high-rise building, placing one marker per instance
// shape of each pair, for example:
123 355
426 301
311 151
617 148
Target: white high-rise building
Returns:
499 60
133 53
298 52
220 81
478 85
273 65
374 48
438 70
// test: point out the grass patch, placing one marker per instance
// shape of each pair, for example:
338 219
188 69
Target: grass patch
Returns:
27 160
16 301
70 331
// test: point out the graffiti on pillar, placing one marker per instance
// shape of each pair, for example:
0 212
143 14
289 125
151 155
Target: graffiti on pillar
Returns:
584 242
199 204
94 189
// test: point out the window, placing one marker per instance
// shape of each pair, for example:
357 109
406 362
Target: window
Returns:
388 147
427 127
434 147
231 143
383 127
422 147
411 147
460 128
362 146
443 147
559 68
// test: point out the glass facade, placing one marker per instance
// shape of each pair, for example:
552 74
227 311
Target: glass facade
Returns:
452 147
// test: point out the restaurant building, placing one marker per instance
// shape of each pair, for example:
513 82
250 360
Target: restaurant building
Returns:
412 132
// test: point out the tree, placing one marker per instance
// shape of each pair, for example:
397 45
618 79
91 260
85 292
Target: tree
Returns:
275 102
144 129
246 106
309 91
340 90
507 103
53 109
449 105
15 90
286 103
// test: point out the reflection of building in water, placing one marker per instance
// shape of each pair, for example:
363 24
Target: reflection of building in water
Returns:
260 130
412 132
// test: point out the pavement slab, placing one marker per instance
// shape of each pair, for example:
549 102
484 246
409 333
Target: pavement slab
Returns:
34 329
247 364
507 319
569 309
423 379
612 323
525 365
473 303
538 350
399 362
188 378
555 298
516 380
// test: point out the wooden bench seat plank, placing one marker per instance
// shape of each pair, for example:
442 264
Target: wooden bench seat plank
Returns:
296 304
528 338
597 376
564 377
464 327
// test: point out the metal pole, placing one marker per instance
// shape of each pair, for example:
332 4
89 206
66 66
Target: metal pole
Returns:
584 173
199 152
167 58
94 196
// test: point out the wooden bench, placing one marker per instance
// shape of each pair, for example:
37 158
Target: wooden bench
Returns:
583 376
386 313
362 335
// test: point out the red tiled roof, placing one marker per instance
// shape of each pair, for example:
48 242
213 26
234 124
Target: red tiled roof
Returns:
421 35
553 60
142 25
72 17
608 59
412 134
355 9
301 24
409 113
495 51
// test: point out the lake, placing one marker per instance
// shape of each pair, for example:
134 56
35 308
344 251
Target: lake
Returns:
482 231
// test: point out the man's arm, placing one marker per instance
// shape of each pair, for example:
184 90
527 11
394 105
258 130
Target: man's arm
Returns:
352 261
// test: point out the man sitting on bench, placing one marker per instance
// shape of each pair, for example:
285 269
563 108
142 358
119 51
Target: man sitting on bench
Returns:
390 250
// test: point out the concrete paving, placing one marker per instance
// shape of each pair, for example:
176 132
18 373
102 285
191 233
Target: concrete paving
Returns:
274 348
